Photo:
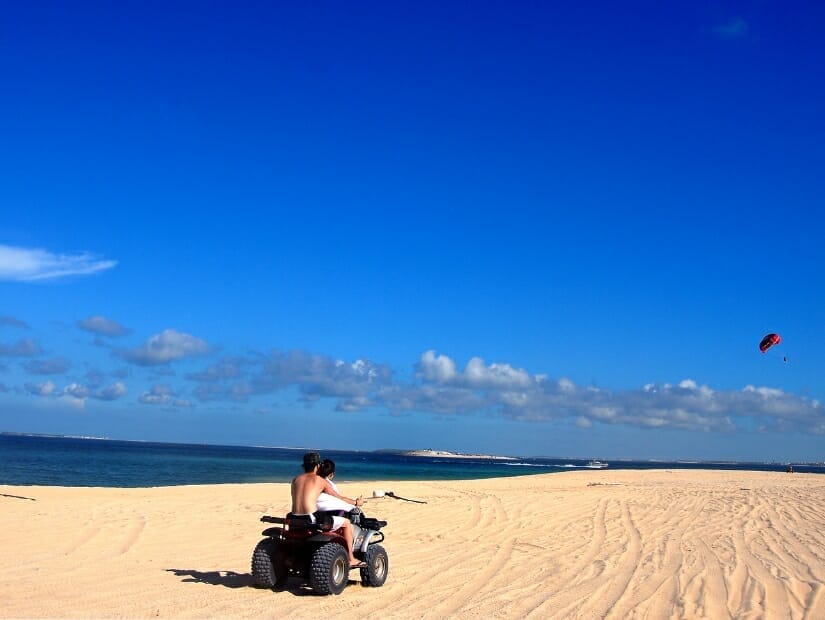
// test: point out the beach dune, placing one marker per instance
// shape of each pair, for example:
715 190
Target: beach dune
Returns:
596 544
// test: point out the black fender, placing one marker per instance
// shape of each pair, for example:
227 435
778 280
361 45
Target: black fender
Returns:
327 538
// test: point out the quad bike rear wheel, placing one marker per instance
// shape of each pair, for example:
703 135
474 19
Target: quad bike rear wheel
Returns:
329 569
378 565
268 570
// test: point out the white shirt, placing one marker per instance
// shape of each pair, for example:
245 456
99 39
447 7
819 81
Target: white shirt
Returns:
330 502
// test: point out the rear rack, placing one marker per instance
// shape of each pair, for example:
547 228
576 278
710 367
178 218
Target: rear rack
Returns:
268 519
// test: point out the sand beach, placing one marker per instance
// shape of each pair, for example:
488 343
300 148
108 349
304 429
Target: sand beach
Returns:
587 544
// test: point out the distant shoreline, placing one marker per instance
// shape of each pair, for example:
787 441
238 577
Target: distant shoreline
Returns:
445 454
457 455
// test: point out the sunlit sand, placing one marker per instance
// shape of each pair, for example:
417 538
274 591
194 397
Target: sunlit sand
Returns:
590 544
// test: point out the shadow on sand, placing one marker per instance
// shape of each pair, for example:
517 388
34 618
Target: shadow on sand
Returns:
231 579
17 497
225 578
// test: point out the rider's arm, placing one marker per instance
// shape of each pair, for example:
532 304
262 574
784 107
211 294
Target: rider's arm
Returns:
328 488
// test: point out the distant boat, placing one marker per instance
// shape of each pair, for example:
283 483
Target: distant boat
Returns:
596 465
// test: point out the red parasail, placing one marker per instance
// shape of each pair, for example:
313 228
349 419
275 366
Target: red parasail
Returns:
769 341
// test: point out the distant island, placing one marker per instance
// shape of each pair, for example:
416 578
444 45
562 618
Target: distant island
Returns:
456 455
50 435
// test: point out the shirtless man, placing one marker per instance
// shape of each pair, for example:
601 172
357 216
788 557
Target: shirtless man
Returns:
308 486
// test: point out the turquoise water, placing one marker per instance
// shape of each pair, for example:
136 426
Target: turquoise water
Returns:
63 461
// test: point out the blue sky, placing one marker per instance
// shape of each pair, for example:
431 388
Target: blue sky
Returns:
517 228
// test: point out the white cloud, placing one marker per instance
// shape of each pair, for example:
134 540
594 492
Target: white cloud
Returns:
112 392
41 389
33 264
168 346
439 388
318 376
478 374
503 390
440 369
76 393
159 394
75 390
764 392
357 403
163 395
566 385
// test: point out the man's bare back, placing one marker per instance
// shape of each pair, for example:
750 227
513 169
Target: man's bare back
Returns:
305 491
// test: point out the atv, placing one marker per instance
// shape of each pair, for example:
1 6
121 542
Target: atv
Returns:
316 553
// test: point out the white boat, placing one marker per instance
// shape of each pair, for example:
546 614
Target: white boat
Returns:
596 465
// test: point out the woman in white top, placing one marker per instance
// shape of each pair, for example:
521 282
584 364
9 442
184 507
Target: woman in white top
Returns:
327 502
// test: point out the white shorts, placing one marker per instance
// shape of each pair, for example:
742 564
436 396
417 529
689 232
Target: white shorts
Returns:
338 522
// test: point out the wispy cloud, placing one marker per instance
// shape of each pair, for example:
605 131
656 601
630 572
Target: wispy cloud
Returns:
735 28
102 326
35 264
161 394
22 348
168 346
54 366
10 321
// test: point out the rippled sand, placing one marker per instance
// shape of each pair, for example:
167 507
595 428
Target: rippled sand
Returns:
595 544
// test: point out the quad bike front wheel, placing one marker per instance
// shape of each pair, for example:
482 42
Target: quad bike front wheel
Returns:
329 569
378 565
268 569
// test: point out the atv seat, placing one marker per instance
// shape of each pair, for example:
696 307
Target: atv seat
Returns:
323 522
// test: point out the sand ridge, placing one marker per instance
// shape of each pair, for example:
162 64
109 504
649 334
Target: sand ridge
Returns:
590 544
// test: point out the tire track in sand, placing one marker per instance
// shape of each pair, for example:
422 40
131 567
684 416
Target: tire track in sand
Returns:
604 600
479 551
466 519
588 563
654 580
132 536
492 566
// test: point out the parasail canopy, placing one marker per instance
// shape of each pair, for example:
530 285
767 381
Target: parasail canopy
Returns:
769 341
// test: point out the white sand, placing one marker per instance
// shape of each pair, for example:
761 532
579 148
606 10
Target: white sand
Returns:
595 544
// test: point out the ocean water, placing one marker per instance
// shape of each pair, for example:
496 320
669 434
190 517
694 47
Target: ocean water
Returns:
65 461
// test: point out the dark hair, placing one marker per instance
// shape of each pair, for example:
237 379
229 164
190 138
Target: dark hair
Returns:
311 461
327 467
